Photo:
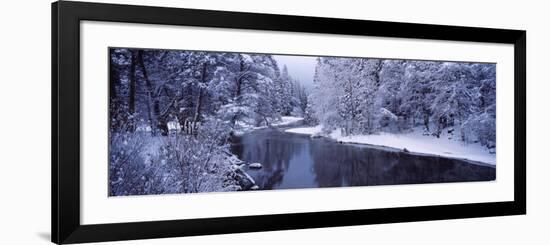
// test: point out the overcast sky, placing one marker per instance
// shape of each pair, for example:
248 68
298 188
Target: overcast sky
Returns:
299 67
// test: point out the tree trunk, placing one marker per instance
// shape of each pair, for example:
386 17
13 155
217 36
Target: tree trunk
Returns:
132 94
114 105
113 81
199 97
377 74
237 100
237 96
427 122
153 116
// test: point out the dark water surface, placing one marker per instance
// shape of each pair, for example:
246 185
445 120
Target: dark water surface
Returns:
298 161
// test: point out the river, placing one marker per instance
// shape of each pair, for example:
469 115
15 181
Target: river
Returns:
297 161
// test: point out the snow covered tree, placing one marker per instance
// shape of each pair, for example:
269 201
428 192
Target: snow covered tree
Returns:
417 94
455 95
392 77
367 73
266 71
284 92
309 113
327 93
246 88
118 88
480 126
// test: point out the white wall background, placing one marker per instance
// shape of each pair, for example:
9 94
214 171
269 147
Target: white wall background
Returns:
25 121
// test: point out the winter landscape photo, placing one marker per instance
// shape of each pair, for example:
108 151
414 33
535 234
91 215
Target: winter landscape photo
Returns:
183 121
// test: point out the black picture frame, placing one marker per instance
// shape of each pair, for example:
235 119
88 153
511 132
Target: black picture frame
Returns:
65 162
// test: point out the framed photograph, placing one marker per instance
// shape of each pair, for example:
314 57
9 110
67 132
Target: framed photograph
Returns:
175 122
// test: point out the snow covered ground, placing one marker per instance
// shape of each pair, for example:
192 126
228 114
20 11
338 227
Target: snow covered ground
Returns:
306 130
285 121
414 142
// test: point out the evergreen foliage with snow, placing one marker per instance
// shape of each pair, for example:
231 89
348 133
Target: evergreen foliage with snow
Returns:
366 96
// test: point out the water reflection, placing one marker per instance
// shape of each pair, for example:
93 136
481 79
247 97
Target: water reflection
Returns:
296 161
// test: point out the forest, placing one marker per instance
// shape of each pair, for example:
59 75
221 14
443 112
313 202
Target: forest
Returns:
200 97
173 113
366 96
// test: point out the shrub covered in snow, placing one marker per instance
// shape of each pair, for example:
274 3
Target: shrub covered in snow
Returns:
178 163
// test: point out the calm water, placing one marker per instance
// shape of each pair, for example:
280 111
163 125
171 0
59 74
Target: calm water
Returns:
298 161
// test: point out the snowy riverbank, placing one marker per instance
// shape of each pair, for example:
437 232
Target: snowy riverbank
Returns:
413 142
284 122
